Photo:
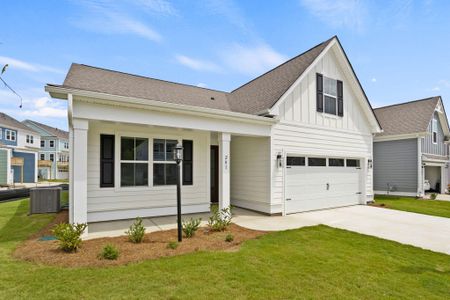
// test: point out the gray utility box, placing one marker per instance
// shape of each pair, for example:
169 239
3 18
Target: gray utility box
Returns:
45 200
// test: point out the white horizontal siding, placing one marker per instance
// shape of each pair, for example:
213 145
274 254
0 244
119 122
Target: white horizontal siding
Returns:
130 198
250 170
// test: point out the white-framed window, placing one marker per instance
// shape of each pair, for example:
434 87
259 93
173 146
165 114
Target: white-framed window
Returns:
52 157
66 145
52 144
330 96
164 167
42 143
133 161
1 134
30 139
42 156
434 130
10 135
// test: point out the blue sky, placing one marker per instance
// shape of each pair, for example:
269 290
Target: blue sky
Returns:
400 49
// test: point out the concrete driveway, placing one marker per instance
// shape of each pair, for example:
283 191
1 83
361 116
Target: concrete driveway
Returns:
419 230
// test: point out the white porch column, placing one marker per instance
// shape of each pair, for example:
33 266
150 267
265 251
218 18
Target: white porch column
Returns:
79 134
224 170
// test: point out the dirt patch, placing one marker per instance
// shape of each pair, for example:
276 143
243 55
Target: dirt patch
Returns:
379 205
154 246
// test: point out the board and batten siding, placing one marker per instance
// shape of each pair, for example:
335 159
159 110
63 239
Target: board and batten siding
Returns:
250 172
305 131
100 201
439 148
395 163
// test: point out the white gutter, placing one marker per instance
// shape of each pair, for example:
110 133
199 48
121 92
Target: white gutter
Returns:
97 97
399 137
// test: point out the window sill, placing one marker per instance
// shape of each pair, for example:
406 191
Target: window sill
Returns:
330 116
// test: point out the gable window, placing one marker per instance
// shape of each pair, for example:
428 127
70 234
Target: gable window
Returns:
133 161
164 167
434 129
52 144
329 95
10 135
42 144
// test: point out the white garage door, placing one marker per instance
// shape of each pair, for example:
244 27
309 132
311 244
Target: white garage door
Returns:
319 183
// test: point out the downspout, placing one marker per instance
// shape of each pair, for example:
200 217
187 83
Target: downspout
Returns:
419 168
69 115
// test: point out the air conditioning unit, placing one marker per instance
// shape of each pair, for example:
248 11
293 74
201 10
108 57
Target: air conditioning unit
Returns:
45 200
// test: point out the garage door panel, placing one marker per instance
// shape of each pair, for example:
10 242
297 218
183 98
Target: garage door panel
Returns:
306 187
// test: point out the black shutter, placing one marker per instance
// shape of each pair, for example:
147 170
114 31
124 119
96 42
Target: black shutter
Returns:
188 159
340 98
319 87
106 160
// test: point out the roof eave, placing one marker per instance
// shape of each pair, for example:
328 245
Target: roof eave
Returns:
61 92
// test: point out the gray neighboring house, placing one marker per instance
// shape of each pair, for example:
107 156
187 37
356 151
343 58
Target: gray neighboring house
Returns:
411 155
54 151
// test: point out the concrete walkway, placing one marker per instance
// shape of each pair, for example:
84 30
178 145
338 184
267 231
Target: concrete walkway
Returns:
419 230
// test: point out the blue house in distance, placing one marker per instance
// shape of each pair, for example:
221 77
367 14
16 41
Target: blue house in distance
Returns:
19 146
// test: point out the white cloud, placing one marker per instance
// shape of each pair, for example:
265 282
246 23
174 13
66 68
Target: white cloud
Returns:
202 85
197 64
436 89
339 13
157 6
107 17
251 60
44 107
230 11
14 63
442 84
373 79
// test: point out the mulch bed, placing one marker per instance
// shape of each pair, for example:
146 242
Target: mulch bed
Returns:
154 246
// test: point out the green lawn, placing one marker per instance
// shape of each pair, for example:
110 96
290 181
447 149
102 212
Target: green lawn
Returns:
314 262
427 207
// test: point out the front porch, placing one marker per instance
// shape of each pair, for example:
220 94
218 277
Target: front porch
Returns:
218 167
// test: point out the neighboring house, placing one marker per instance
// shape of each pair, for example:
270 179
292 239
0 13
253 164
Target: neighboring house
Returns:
18 152
411 155
296 138
54 151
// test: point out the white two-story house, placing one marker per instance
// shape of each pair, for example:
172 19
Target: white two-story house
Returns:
54 151
296 138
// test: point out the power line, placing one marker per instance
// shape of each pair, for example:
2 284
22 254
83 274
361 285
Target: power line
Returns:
9 87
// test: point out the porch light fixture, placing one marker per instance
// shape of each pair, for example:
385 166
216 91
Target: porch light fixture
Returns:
178 158
279 160
370 164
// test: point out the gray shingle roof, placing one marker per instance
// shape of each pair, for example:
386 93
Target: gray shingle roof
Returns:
253 97
9 121
51 130
406 118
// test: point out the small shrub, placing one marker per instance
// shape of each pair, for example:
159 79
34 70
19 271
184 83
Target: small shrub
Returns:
190 227
229 238
136 232
220 219
172 245
109 252
69 235
433 196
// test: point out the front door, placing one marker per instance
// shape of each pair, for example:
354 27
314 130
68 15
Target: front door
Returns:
214 174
